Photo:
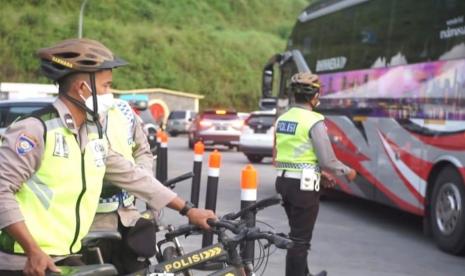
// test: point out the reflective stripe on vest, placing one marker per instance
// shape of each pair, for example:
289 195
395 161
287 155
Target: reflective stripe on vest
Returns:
294 150
59 201
111 204
120 117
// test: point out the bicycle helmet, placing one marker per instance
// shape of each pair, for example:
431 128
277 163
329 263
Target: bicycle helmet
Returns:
76 55
305 83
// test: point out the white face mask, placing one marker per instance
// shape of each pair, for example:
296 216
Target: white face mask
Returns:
104 102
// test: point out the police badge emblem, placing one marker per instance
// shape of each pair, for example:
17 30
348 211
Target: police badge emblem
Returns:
24 144
61 147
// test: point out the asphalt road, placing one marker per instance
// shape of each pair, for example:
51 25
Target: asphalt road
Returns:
351 237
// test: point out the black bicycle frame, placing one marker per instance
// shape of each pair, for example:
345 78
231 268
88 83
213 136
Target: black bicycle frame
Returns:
188 260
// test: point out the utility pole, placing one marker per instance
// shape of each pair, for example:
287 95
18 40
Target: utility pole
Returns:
81 15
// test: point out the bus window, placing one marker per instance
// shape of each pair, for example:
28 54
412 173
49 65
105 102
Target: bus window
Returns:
449 29
368 46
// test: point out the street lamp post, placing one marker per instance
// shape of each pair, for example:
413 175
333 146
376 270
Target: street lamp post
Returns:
81 14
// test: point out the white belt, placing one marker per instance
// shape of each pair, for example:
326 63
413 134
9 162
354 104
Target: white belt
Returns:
289 174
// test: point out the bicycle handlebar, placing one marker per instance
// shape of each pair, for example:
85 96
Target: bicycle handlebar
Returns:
189 228
242 233
276 239
182 230
232 226
259 205
171 183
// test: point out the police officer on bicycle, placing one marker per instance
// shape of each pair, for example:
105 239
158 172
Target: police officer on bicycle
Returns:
116 210
302 150
53 162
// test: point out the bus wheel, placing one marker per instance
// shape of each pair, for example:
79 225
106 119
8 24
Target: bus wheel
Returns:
447 211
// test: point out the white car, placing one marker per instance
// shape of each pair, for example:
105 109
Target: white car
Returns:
10 110
256 140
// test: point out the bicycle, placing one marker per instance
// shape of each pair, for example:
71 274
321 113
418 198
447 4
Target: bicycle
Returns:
225 251
175 249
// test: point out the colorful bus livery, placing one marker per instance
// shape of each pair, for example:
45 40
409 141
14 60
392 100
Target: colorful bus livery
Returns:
393 75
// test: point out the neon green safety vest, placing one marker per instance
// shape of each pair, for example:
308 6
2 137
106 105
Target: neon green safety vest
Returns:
294 150
60 199
120 117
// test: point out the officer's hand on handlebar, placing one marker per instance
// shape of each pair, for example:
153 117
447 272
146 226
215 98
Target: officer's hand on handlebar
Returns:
37 263
199 217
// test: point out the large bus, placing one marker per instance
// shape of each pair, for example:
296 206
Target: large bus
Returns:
393 76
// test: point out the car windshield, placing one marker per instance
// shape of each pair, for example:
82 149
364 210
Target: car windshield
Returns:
261 119
177 115
15 112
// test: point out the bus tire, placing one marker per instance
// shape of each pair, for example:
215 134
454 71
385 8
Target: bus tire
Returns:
447 214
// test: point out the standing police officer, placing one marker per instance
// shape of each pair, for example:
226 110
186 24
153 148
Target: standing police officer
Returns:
302 149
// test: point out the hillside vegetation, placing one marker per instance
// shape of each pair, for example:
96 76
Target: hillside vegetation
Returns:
216 48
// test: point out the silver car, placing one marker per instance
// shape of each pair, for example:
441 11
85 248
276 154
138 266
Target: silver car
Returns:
179 121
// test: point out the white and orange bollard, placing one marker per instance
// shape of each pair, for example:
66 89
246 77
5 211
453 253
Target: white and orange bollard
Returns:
199 149
214 163
157 153
163 157
248 197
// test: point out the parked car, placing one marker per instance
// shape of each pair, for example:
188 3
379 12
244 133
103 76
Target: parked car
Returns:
10 110
148 124
256 140
216 127
179 121
243 115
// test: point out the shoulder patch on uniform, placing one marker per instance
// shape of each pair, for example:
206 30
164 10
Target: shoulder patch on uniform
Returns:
286 127
24 144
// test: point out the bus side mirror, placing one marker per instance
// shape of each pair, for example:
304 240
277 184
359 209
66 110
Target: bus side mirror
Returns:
267 85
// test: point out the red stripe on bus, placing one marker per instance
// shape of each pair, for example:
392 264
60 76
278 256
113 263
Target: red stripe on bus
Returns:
337 133
419 166
407 183
448 142
349 157
354 163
